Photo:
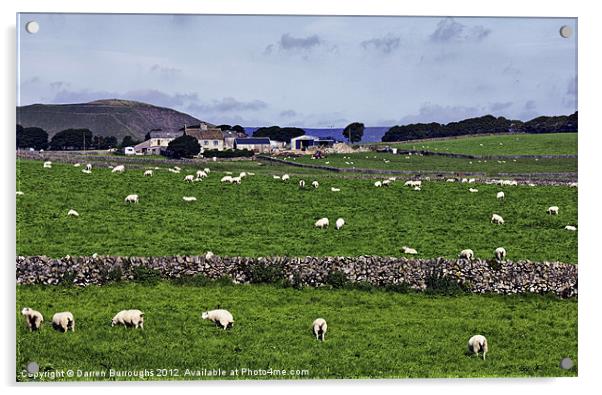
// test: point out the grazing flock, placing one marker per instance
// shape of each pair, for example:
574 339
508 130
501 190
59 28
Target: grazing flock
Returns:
64 322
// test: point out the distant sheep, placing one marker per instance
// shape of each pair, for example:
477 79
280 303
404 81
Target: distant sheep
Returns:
320 327
412 183
386 183
500 253
209 255
333 189
118 169
72 213
148 173
220 317
207 170
473 190
189 198
131 198
573 185
173 171
497 219
33 318
322 223
315 184
450 180
47 165
378 184
477 344
417 188
570 227
236 180
63 322
201 174
129 318
226 179
301 183
242 174
472 180
177 168
76 165
501 195
464 180
89 166
466 254
189 178
19 193
339 223
286 177
408 250
553 210
86 171
276 177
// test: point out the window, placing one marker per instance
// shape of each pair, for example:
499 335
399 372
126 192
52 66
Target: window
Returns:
205 142
215 142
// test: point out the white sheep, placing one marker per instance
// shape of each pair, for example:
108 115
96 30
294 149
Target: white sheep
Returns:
189 178
72 213
177 168
47 165
173 171
466 254
250 174
322 223
209 255
89 166
378 184
417 188
500 253
408 250
118 169
201 174
333 189
472 180
189 198
207 170
315 184
301 183
570 227
19 193
464 180
320 327
339 223
148 173
553 210
236 180
386 183
276 177
242 174
286 177
86 171
497 219
450 180
131 198
573 185
76 165
473 190
501 195
33 318
220 317
63 321
129 318
476 344
226 179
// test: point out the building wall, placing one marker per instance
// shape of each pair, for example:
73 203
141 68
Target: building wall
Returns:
211 145
255 147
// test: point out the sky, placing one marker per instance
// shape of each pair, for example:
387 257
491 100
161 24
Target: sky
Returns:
305 71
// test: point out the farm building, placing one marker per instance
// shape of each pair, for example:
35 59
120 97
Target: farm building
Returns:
158 141
209 137
230 136
301 143
256 144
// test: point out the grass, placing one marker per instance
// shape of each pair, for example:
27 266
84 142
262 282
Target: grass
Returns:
522 144
373 334
434 164
263 216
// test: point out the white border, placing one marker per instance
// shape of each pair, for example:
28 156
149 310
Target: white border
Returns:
589 142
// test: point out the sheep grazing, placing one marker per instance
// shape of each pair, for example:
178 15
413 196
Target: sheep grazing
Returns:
464 180
500 253
386 183
226 179
72 213
118 169
201 174
286 177
33 318
450 180
242 174
219 317
86 171
47 165
417 188
408 250
333 189
473 190
339 223
63 321
501 195
322 223
76 165
189 198
497 219
320 327
378 184
131 198
209 255
177 168
477 344
207 170
392 178
89 166
553 210
413 183
315 184
250 174
19 193
276 177
573 185
189 178
466 254
531 184
570 227
129 318
472 180
148 173
236 180
301 183
174 171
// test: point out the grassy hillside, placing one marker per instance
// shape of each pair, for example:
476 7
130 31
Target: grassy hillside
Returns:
370 334
263 216
517 144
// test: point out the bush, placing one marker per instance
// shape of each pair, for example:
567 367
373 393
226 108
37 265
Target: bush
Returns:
437 283
145 275
402 288
197 280
183 147
337 279
229 153
265 274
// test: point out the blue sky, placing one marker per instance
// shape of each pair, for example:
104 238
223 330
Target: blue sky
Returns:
304 71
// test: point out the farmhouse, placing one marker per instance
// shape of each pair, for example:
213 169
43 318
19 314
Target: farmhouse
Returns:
302 143
210 138
230 137
256 144
159 139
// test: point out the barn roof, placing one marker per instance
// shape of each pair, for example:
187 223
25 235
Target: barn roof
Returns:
253 140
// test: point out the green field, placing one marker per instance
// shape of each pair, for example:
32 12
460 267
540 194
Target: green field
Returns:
263 216
522 144
370 333
434 164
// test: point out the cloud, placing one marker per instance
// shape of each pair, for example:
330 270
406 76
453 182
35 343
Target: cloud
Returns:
229 104
385 44
164 71
530 105
288 114
288 43
498 106
449 30
58 85
570 99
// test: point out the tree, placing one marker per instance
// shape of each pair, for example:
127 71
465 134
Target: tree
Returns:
354 132
279 134
35 138
128 141
239 129
104 142
72 139
224 127
183 147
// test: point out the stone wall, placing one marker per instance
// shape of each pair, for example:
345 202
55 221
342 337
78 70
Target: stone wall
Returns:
476 276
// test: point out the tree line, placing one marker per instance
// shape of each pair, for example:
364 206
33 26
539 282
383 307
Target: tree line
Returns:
69 139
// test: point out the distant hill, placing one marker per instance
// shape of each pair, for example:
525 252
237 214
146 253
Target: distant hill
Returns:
111 117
